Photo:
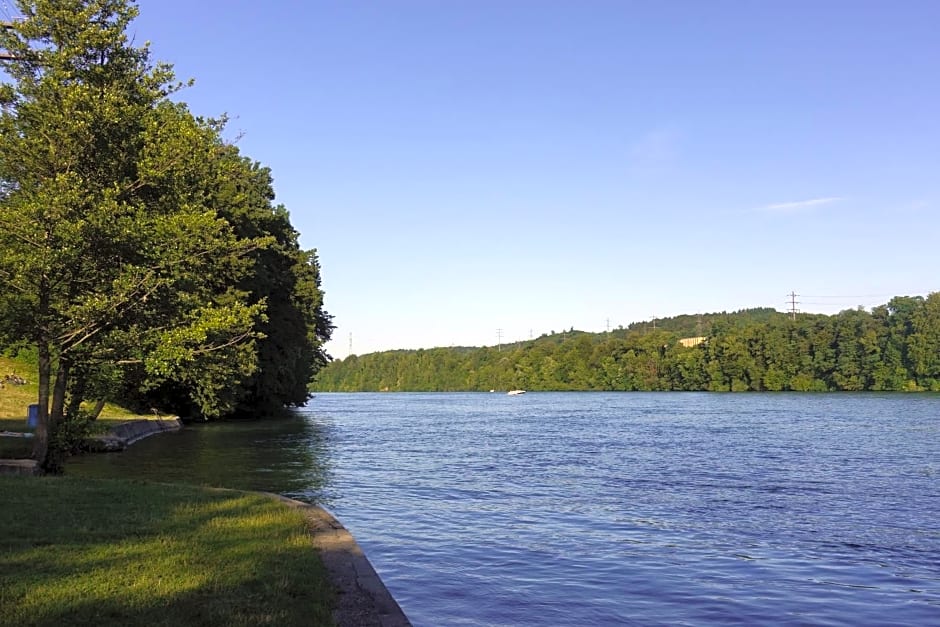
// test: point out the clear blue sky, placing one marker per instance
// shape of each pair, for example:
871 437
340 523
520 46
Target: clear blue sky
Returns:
464 166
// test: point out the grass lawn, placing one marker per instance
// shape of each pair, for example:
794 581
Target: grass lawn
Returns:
14 399
110 552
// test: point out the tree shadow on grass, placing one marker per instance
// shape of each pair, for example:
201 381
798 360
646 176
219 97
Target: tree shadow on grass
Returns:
104 552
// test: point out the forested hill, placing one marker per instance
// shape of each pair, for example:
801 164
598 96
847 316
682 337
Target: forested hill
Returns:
894 347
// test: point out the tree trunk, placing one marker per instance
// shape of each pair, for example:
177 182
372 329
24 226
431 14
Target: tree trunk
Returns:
55 453
58 392
99 406
76 391
41 439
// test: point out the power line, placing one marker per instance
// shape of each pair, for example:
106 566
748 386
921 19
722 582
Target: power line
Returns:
825 303
844 300
6 23
793 303
4 55
846 297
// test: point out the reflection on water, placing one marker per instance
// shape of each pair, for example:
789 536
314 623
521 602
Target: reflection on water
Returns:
287 456
643 508
606 509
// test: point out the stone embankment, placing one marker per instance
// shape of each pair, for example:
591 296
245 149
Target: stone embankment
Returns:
118 438
18 467
123 435
363 600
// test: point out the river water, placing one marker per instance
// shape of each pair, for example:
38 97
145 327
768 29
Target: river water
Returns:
607 509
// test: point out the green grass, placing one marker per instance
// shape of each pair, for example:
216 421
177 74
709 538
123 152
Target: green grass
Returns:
14 399
93 552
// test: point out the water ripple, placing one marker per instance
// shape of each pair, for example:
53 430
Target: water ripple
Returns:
622 509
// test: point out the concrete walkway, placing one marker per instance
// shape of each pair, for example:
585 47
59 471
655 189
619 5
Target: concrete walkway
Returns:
362 599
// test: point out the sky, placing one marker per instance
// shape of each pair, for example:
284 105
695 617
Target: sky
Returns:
476 171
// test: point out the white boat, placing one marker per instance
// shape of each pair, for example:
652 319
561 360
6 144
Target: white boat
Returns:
515 392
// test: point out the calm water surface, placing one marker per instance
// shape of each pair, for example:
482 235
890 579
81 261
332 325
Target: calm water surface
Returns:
613 509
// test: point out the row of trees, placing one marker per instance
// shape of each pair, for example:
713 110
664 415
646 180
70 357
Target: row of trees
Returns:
141 255
893 347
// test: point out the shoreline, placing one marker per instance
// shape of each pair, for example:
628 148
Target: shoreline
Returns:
122 435
118 438
362 599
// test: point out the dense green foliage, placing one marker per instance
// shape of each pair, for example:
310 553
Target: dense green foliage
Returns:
893 347
280 277
140 254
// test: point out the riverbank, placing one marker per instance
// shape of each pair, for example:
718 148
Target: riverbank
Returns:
363 600
16 440
123 434
174 554
360 596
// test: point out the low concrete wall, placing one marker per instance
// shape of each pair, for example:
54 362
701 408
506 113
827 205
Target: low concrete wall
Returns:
123 435
119 438
18 467
363 600
134 430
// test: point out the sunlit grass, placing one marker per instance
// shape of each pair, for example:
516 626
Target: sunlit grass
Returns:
81 551
15 399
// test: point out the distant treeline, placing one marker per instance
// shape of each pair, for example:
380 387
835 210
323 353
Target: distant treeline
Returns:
894 347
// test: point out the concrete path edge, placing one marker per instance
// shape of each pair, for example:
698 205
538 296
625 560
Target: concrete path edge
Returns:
362 599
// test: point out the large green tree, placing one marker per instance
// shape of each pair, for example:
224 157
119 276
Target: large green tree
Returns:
110 249
282 276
